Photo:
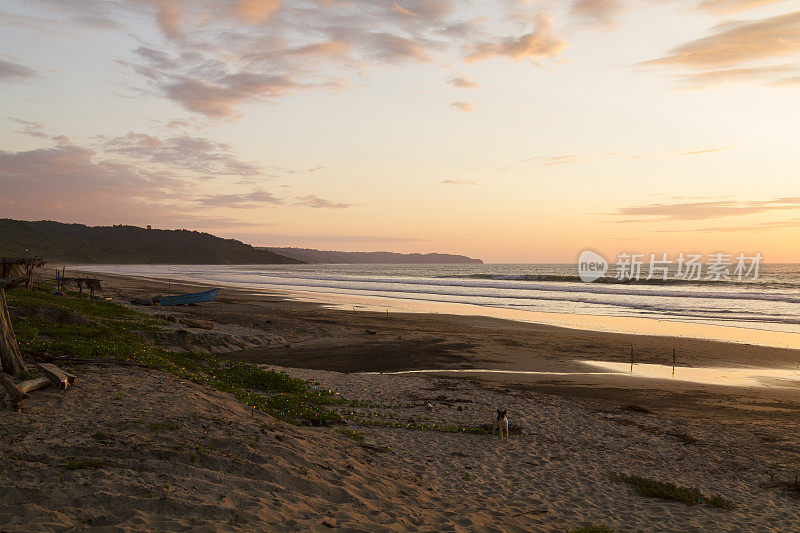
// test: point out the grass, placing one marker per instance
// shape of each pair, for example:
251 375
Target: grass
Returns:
593 528
100 329
671 491
424 426
86 463
352 434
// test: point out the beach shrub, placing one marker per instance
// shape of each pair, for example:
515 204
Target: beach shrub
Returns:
352 434
670 491
102 329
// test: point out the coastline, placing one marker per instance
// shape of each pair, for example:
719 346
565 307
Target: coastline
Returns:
321 337
659 327
573 429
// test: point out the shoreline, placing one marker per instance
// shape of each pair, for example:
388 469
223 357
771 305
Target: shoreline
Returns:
316 337
740 334
181 455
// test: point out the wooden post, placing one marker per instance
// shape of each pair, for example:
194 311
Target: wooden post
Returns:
10 357
673 362
631 358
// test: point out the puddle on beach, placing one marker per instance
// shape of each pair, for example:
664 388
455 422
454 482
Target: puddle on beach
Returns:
730 377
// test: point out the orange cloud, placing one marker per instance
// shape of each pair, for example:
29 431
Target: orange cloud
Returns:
256 11
739 42
729 6
463 106
461 82
542 42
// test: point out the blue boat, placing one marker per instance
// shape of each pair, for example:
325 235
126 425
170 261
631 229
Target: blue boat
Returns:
193 298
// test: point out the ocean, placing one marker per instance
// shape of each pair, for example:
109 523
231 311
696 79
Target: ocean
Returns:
770 302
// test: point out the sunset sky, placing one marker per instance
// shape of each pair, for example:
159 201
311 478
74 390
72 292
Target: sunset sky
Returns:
510 130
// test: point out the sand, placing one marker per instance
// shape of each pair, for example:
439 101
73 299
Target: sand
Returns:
568 433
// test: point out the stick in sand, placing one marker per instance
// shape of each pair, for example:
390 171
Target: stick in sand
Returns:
673 362
631 358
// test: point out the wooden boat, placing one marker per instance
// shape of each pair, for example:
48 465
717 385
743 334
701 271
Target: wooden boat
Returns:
186 299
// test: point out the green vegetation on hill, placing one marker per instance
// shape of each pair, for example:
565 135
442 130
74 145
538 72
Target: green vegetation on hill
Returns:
361 258
76 243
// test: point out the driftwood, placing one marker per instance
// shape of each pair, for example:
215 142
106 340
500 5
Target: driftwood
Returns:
10 356
59 378
79 361
14 396
33 384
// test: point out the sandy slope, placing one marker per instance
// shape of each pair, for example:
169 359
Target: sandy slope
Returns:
560 460
212 463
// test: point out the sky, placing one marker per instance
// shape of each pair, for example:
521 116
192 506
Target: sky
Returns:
508 130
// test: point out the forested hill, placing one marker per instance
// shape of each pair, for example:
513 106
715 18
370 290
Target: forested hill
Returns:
76 243
321 256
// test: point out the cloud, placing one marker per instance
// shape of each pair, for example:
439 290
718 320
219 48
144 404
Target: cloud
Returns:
738 50
197 154
256 11
706 151
59 182
760 226
461 82
554 160
403 10
220 55
706 210
466 107
729 6
13 71
681 152
459 182
601 13
540 43
220 97
249 200
320 203
34 129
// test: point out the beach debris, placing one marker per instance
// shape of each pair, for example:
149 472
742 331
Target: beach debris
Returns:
60 378
21 269
16 393
371 332
14 397
10 356
196 323
430 407
93 284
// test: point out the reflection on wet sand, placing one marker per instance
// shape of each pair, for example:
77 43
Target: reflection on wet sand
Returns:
731 377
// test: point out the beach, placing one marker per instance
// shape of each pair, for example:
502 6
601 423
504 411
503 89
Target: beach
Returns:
575 429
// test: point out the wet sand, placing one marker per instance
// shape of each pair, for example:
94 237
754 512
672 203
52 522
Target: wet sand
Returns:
316 337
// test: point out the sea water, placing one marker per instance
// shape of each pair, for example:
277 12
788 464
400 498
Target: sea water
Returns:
771 302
